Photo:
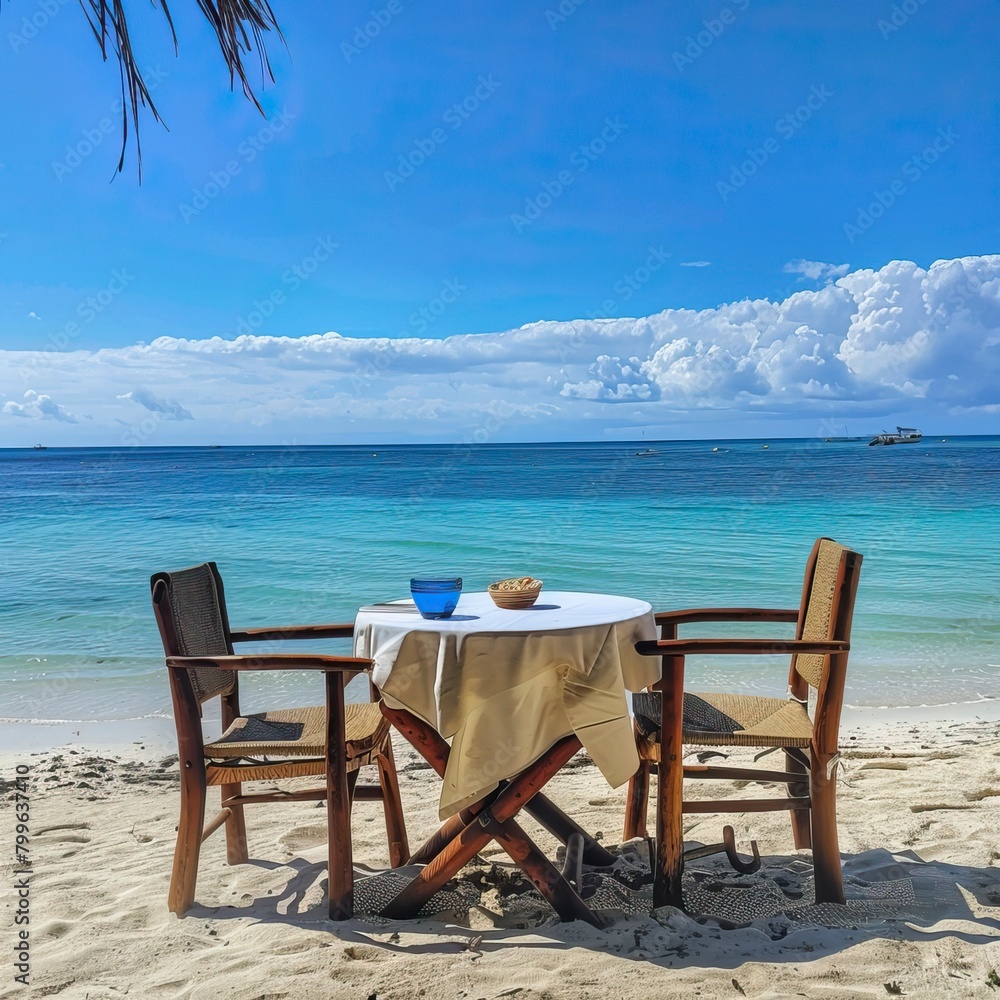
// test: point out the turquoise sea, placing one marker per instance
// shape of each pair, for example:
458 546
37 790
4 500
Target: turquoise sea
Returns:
309 534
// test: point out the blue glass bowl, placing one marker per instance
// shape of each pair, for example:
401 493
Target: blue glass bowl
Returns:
436 598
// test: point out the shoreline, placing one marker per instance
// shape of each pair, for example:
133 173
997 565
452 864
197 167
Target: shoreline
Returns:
158 732
107 736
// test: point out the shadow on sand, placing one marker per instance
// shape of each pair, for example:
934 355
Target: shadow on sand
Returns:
764 917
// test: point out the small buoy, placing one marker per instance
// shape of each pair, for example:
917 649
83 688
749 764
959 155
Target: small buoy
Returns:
943 440
374 454
767 446
715 449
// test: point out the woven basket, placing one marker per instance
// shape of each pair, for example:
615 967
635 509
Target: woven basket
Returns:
514 599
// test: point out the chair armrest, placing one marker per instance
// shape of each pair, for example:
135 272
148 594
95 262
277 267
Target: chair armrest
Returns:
748 647
293 632
727 615
275 661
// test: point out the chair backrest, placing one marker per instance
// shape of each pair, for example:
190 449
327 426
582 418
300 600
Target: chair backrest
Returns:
826 612
190 608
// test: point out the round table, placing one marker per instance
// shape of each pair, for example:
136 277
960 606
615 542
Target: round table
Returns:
505 685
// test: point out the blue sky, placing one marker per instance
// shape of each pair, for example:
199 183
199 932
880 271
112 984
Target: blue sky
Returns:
471 168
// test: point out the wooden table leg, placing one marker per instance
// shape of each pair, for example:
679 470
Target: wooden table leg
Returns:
544 875
448 831
432 747
549 881
548 814
562 827
457 853
496 822
426 740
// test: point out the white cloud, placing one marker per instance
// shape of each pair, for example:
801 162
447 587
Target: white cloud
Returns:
901 339
696 263
38 406
33 315
613 380
815 270
170 409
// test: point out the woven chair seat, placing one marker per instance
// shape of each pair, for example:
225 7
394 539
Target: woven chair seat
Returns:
298 732
730 720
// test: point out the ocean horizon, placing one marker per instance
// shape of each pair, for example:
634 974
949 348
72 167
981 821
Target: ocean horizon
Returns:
308 533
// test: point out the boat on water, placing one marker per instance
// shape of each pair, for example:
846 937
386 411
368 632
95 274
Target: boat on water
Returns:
39 447
646 453
903 435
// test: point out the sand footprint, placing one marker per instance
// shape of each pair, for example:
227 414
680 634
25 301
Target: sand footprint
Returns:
54 928
71 836
293 948
65 834
300 837
364 953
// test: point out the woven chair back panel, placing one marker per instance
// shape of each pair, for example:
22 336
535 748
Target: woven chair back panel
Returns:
194 600
819 611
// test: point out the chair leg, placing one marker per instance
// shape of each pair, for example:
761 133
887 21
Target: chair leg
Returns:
339 785
637 802
825 845
184 874
667 889
237 851
801 829
395 824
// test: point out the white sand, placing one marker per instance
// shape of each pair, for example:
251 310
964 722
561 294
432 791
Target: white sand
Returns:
102 829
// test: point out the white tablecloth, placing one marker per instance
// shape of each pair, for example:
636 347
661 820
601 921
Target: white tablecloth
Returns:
505 685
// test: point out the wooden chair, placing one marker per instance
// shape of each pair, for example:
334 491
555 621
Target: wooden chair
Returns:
667 718
335 740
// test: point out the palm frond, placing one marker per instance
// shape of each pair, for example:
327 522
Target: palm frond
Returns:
239 27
